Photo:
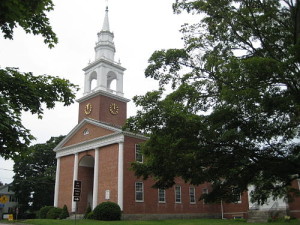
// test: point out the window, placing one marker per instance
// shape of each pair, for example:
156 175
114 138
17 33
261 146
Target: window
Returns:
177 194
139 191
138 154
204 192
86 132
12 198
161 195
236 195
192 195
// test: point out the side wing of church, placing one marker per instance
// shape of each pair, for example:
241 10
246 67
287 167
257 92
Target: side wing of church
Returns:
99 154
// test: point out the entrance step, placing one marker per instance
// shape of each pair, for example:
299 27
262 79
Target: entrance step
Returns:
256 216
78 217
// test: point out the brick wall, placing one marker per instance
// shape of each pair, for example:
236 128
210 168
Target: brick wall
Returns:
100 110
151 205
294 202
86 176
93 132
108 172
239 209
66 181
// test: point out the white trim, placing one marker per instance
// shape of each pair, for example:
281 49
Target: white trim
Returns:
194 195
160 189
91 144
179 194
120 174
81 124
96 175
93 64
104 93
56 189
141 191
75 177
135 148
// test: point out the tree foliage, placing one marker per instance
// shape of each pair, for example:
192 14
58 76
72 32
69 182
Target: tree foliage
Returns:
25 92
21 91
34 177
231 116
30 15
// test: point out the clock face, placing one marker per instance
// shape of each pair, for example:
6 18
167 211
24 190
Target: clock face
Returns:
113 108
88 108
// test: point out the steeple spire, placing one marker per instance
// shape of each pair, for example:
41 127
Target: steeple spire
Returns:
105 26
105 47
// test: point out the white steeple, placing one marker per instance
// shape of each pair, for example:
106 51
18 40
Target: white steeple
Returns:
104 69
105 46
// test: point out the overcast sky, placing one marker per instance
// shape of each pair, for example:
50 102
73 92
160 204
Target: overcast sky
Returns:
140 27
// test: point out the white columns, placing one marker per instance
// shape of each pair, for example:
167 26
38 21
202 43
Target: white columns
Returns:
56 182
75 177
96 175
120 174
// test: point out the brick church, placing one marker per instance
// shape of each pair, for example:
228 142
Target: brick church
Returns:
99 153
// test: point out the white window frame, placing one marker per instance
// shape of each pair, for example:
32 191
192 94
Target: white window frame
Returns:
177 194
240 198
204 191
137 190
163 192
192 195
138 154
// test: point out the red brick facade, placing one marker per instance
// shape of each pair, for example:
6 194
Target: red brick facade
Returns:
101 110
100 132
294 201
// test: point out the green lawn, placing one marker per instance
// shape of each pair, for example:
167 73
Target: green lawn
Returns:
149 222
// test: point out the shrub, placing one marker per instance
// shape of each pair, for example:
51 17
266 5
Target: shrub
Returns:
90 216
43 211
107 211
64 213
54 213
88 210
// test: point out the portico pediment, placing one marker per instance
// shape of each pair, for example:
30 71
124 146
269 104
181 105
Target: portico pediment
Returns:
87 131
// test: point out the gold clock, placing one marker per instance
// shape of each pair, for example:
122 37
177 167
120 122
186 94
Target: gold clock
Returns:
88 108
114 108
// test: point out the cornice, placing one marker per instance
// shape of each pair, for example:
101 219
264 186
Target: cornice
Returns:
90 144
78 126
105 93
106 61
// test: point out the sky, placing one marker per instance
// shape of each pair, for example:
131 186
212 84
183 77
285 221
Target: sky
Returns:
140 27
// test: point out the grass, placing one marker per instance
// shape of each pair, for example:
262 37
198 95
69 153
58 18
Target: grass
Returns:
148 222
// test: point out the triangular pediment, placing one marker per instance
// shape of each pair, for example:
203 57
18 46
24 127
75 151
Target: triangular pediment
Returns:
86 130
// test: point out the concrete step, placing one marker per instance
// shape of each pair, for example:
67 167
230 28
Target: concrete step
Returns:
78 217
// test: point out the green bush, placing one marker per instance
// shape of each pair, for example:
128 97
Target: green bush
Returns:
90 216
107 211
88 210
43 211
64 213
54 213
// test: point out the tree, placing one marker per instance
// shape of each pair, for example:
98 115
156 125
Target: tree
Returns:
30 15
34 177
231 111
21 91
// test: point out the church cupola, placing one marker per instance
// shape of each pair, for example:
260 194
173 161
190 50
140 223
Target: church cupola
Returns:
104 69
105 47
